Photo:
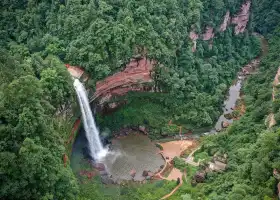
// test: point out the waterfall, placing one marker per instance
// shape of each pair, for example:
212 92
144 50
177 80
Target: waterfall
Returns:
96 149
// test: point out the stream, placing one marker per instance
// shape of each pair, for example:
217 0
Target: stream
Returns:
229 104
234 90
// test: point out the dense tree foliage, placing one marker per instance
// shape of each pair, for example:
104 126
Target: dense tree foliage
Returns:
193 90
266 15
253 150
101 36
31 149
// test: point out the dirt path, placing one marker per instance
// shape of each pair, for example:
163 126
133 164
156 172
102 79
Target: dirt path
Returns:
190 158
174 174
173 191
176 188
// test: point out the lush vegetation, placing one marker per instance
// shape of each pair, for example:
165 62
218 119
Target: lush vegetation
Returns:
32 141
192 85
36 95
253 151
101 37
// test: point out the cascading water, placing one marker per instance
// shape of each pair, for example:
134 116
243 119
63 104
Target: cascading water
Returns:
96 149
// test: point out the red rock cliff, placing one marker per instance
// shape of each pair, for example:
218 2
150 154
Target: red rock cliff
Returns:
242 18
136 72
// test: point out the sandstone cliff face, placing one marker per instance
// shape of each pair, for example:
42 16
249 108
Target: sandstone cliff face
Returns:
226 22
193 36
240 21
77 72
209 33
242 18
136 72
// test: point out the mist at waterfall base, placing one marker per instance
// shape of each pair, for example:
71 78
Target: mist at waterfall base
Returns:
95 146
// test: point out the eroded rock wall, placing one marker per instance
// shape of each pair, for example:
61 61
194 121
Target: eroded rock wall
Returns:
240 21
193 36
242 18
226 22
136 72
77 72
209 33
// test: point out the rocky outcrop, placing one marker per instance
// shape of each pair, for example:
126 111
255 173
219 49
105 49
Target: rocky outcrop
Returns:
145 173
99 166
199 177
242 18
217 166
132 173
136 72
226 22
77 72
270 120
225 124
193 36
209 34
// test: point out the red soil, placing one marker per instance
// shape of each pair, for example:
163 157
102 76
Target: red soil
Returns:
176 148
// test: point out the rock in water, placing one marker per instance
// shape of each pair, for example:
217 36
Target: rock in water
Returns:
132 172
225 124
143 129
145 173
99 166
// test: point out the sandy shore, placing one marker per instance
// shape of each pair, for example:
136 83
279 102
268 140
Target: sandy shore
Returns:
175 148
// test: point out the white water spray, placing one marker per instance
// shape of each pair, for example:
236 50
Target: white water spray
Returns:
96 149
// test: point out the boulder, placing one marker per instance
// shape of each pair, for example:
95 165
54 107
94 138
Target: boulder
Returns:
225 124
199 177
132 172
106 180
228 116
99 166
145 173
103 173
143 129
150 174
